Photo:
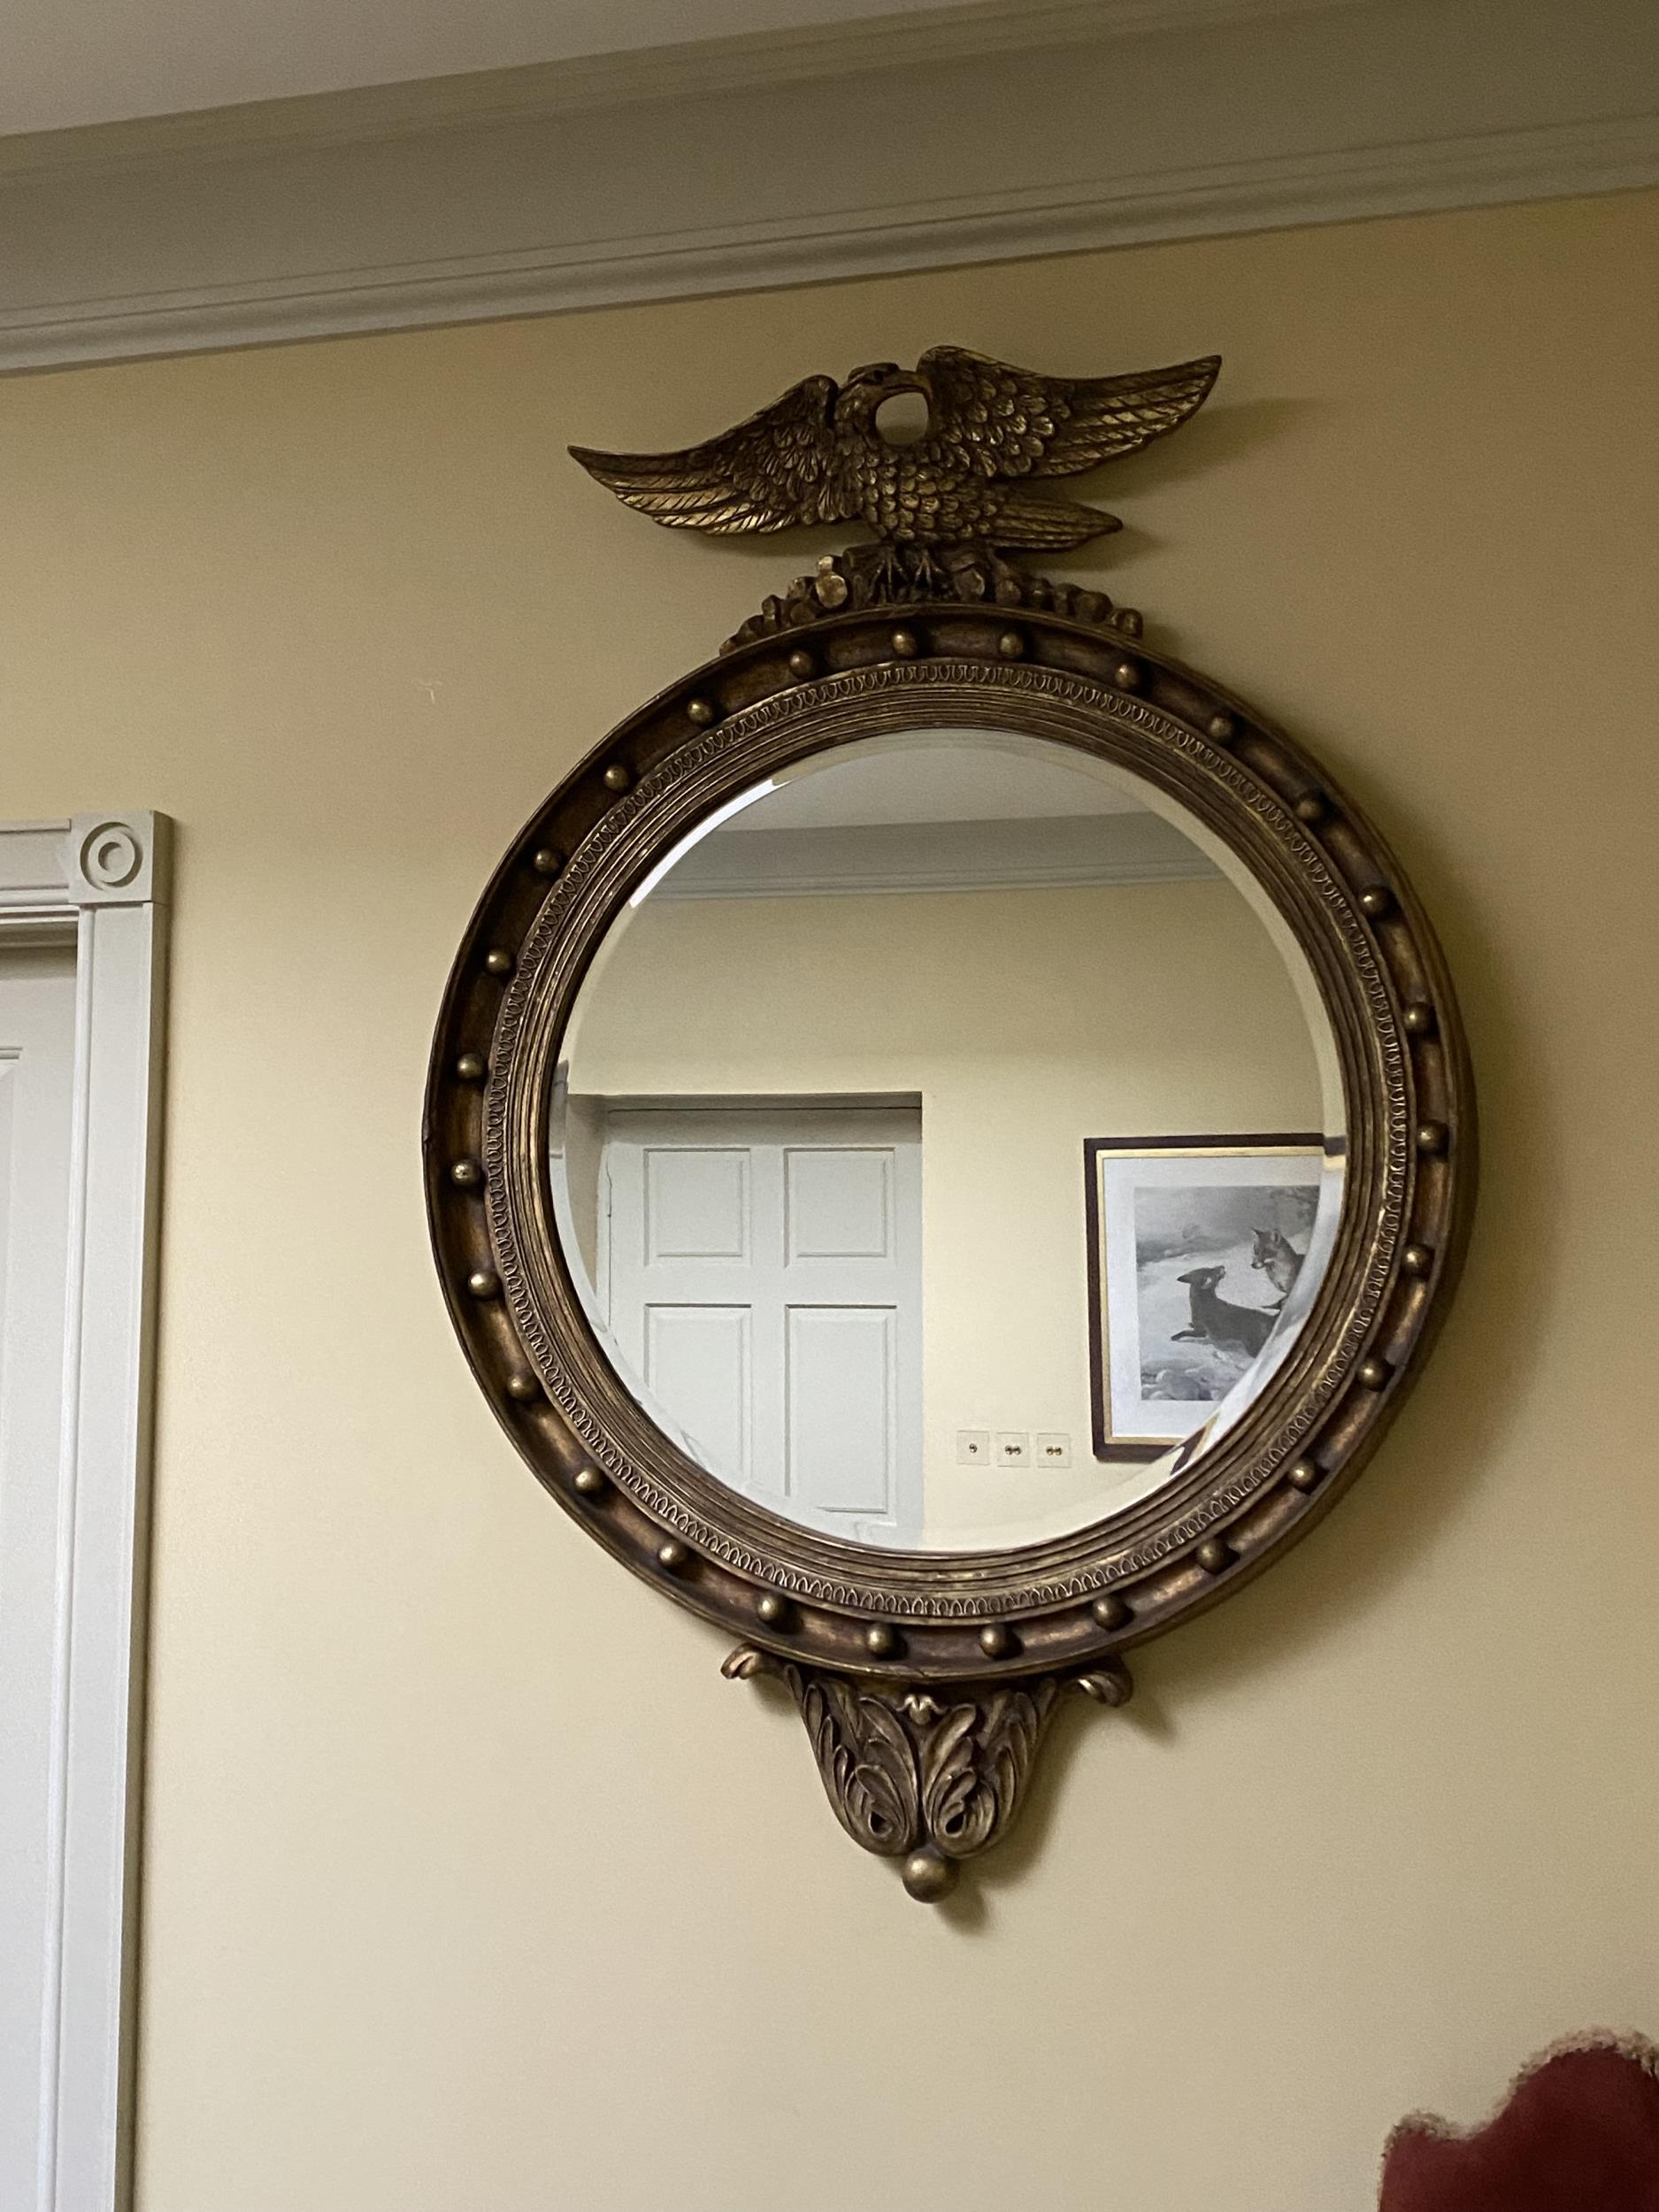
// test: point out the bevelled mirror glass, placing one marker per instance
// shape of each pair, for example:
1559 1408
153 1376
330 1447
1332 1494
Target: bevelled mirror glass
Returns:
947 1141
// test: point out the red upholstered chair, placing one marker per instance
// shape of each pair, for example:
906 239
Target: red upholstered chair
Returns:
1579 2132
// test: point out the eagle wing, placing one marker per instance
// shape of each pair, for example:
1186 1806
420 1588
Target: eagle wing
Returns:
1001 421
778 467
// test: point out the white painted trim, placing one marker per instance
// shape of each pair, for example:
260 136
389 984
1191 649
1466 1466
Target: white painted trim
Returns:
1417 177
106 877
1030 855
1026 130
832 885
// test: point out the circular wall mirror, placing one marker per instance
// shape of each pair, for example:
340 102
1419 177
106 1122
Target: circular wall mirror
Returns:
946 1142
947 1139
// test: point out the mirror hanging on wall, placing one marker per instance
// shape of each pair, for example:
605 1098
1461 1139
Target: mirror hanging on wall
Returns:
947 1141
949 1136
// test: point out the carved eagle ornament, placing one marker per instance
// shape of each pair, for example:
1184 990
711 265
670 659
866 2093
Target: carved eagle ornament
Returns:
819 454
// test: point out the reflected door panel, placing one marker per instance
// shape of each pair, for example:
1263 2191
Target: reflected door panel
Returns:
761 1272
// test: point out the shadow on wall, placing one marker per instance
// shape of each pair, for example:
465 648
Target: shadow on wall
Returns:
1456 1419
1462 1407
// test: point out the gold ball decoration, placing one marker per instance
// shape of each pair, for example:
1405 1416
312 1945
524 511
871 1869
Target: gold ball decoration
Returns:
951 1660
928 1877
830 587
1109 1684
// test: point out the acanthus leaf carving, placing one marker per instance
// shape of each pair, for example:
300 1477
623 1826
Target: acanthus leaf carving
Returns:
910 1775
898 576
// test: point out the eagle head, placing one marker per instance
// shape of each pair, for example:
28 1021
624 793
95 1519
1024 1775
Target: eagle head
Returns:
867 388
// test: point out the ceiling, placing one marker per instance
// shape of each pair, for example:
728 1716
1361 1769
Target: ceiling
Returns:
67 63
948 777
936 810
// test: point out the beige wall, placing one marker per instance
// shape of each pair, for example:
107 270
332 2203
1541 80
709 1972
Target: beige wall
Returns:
471 1887
1027 1021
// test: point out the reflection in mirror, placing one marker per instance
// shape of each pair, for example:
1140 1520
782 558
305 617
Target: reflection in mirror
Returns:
948 1142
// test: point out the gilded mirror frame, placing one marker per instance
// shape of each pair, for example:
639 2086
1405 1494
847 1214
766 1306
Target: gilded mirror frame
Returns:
926 1678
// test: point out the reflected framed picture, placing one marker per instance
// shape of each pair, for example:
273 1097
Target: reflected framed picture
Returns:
1196 1248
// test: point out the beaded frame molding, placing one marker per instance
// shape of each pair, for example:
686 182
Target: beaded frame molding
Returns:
926 1680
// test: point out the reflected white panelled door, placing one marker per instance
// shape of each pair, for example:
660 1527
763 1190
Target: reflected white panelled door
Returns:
763 1277
37 1036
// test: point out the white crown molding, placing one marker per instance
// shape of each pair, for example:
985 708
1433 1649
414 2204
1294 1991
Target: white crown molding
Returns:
1033 854
830 886
1003 130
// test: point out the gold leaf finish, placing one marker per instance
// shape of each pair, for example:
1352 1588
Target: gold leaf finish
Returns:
925 1761
819 454
910 1775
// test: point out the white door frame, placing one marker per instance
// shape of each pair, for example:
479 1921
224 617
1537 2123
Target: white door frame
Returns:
99 880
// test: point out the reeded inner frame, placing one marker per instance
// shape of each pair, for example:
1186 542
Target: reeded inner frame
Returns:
1408 1132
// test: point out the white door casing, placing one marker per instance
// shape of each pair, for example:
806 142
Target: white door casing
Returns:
761 1272
74 1513
37 1050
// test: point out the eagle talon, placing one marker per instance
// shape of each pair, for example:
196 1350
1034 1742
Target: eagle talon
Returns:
925 575
889 579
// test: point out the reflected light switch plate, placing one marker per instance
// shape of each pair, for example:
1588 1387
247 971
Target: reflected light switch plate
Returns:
973 1447
1054 1448
1013 1448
